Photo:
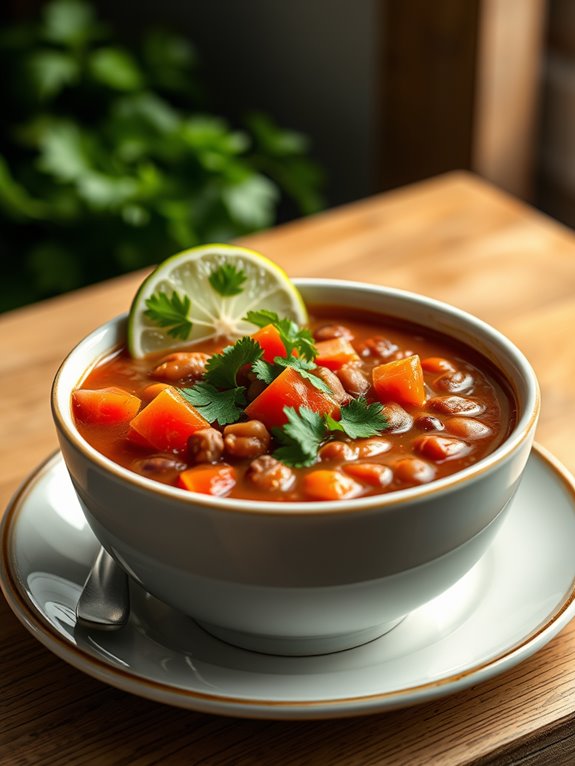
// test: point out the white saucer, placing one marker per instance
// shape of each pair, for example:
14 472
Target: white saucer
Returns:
520 595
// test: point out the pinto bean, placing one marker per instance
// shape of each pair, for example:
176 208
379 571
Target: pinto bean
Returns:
205 446
181 365
468 428
398 420
456 405
330 331
412 470
374 474
161 467
353 379
375 445
428 423
457 382
330 379
439 448
246 440
377 347
268 474
337 451
437 364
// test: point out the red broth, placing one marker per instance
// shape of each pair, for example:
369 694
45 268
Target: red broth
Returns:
467 413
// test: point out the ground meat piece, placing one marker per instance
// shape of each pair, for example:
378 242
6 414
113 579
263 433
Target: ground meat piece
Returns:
353 379
245 440
267 473
330 379
398 420
330 331
205 446
181 365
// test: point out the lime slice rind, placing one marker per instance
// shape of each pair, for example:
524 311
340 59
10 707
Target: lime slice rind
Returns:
212 315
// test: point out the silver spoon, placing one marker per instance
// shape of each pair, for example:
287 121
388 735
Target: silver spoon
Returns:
105 601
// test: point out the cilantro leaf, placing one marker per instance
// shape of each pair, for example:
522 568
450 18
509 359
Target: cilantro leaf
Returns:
216 406
359 419
222 369
292 335
300 437
172 312
264 371
303 366
227 279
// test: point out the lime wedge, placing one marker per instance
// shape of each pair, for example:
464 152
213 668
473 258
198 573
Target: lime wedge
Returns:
204 293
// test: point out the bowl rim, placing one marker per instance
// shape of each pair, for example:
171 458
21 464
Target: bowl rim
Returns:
522 431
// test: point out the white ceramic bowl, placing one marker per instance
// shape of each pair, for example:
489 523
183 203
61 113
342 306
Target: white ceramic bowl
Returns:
303 578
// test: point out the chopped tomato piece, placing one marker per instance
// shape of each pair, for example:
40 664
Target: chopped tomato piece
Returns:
270 340
400 381
168 421
289 389
334 353
109 406
208 479
330 485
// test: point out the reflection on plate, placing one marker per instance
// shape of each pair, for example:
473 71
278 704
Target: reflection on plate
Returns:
518 596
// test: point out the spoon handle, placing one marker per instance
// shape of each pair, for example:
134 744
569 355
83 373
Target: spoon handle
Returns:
105 602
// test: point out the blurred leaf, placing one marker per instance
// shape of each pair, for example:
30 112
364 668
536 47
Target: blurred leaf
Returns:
105 193
170 59
272 139
15 199
112 163
115 68
147 107
70 22
54 268
252 201
50 71
64 151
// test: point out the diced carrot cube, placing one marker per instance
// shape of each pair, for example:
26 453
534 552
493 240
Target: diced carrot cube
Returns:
208 479
330 485
289 389
400 381
270 341
108 406
151 391
168 421
335 352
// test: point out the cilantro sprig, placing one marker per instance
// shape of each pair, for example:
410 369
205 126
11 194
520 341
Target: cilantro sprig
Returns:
294 337
302 436
218 397
170 311
228 279
266 371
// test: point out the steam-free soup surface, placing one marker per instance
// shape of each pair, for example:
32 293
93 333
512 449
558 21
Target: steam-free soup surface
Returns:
457 412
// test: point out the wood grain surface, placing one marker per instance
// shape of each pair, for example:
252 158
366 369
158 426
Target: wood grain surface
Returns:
454 238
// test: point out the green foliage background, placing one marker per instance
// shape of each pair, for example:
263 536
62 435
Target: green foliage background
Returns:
110 159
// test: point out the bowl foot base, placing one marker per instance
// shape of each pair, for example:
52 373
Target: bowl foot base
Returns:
288 646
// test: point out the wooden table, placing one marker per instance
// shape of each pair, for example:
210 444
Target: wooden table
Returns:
453 238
